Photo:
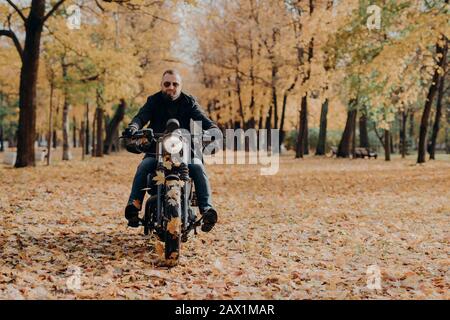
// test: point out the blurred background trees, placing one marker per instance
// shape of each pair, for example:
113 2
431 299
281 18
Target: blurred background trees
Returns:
347 74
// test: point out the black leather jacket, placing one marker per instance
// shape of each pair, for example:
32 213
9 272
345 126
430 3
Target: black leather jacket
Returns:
158 110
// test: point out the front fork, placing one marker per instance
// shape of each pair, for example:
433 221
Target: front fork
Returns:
187 224
184 207
159 187
186 193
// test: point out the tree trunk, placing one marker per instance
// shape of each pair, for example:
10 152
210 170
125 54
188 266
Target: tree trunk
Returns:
403 134
274 96
302 137
87 137
438 111
238 91
50 124
94 121
427 108
113 126
363 134
269 127
305 133
2 148
260 121
65 114
275 110
251 122
305 114
268 124
65 130
283 115
447 129
99 131
28 83
238 82
55 139
345 145
321 144
283 110
352 150
302 146
115 145
387 147
82 142
411 130
74 132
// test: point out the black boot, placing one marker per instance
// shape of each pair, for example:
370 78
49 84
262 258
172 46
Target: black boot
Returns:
132 215
209 219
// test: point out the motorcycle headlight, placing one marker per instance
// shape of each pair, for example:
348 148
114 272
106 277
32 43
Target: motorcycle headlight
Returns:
173 144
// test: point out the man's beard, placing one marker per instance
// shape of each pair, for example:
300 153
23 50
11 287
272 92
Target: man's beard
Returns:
169 97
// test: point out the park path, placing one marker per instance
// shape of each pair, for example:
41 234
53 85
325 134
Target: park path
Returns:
310 231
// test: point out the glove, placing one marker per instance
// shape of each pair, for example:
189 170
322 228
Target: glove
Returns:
132 147
129 132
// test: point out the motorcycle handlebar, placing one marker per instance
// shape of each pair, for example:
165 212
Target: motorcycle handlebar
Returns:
148 133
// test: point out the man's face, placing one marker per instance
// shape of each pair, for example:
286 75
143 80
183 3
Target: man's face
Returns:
171 86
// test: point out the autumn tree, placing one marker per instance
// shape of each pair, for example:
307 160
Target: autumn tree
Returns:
31 22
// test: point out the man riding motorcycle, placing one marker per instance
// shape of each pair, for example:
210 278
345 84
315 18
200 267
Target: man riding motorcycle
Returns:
166 104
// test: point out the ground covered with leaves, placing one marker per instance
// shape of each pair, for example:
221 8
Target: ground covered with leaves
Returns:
309 232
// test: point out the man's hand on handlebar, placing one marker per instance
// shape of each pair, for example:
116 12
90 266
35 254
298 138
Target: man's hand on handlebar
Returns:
129 132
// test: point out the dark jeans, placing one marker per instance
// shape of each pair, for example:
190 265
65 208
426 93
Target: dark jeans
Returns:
196 172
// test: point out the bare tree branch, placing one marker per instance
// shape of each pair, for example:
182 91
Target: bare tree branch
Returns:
117 1
377 134
17 10
138 8
240 73
159 18
91 78
100 6
66 47
55 7
12 35
171 60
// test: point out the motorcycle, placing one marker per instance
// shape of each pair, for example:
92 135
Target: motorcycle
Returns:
169 210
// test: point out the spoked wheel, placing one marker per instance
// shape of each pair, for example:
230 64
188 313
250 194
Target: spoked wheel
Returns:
150 219
173 226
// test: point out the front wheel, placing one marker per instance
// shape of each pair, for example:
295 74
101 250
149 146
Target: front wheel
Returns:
173 226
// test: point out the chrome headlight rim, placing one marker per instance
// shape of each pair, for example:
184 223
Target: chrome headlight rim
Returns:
172 144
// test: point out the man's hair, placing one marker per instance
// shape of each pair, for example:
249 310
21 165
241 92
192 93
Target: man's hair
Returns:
172 72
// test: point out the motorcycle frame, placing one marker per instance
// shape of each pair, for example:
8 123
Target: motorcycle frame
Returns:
186 188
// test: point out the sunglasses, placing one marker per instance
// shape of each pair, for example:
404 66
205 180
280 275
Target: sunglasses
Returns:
168 83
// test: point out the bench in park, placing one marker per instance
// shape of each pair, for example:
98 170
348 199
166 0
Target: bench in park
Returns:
359 153
10 157
364 152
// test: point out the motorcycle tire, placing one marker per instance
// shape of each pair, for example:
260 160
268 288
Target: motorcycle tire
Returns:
174 225
147 216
